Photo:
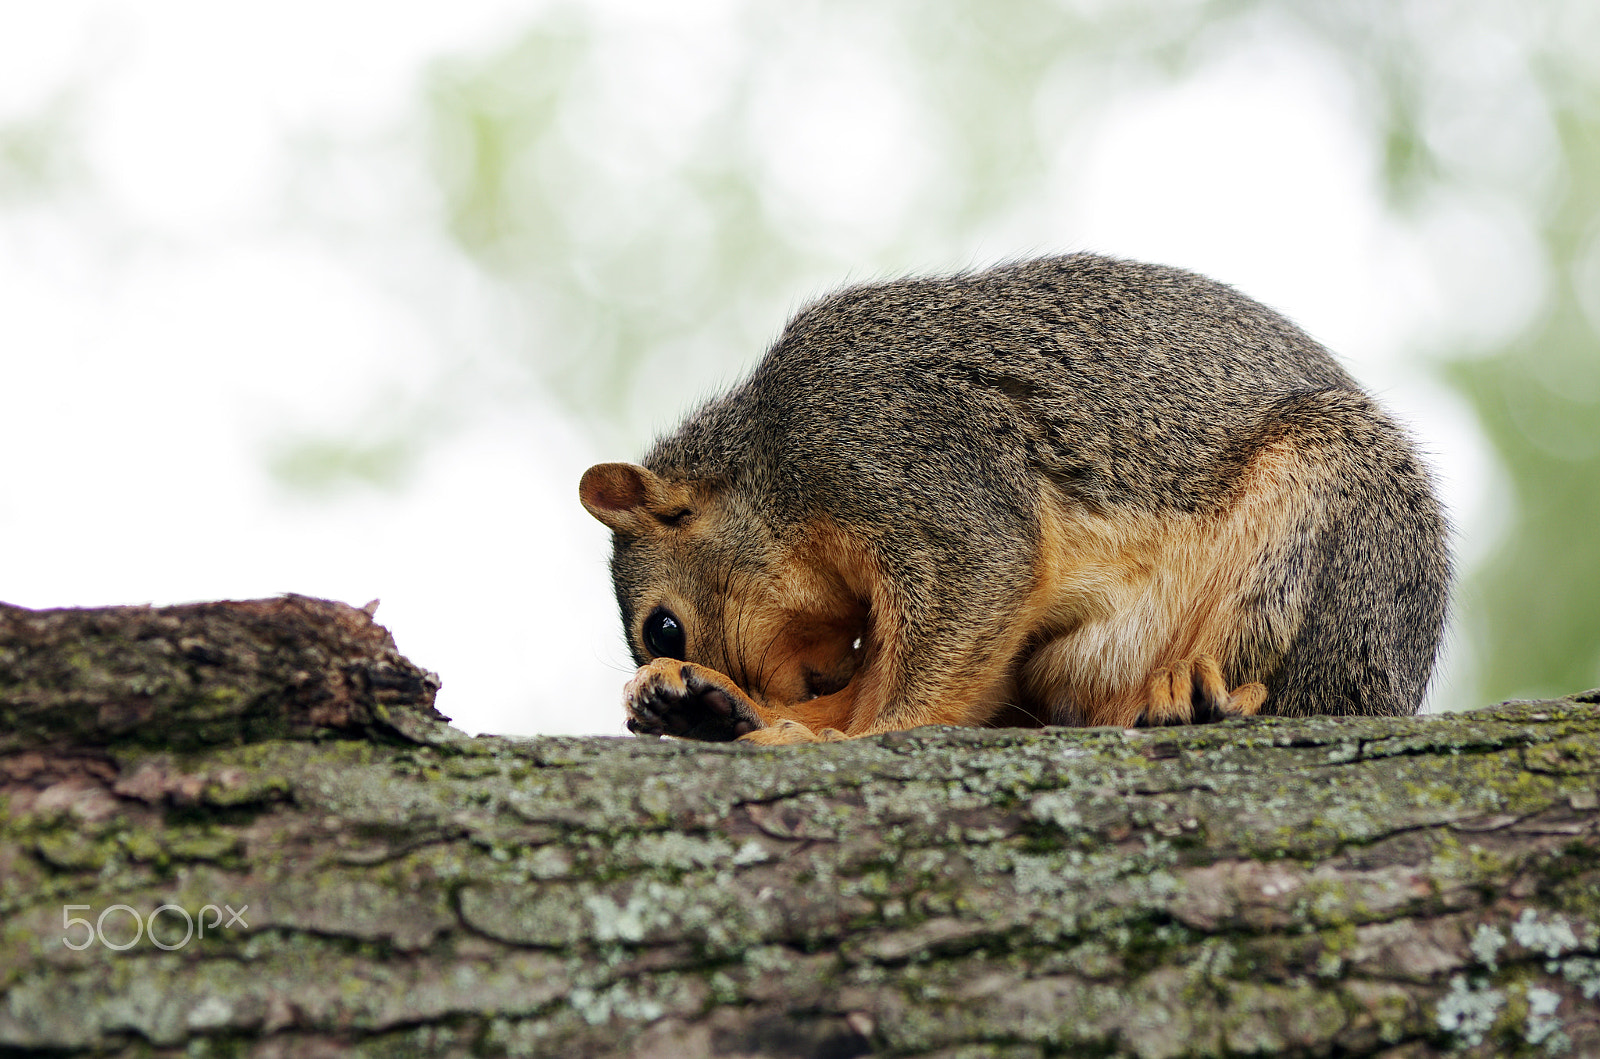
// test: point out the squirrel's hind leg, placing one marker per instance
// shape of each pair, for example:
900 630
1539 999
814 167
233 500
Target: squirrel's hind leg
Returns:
1194 692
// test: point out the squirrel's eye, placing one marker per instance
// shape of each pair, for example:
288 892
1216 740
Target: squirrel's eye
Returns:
663 634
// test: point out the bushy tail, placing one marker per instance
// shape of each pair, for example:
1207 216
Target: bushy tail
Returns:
1347 614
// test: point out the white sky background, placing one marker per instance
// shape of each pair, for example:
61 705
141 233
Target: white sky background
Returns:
161 323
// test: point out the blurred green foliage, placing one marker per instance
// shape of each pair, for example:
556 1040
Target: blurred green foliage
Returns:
1538 397
38 153
626 179
318 466
653 241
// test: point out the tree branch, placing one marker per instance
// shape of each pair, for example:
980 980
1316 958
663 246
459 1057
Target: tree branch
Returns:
1324 886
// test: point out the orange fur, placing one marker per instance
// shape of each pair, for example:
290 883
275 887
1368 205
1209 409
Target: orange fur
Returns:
1122 598
804 621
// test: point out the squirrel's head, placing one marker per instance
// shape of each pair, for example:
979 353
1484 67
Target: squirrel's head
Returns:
700 577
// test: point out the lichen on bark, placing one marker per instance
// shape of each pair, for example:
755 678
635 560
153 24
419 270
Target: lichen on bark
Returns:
1326 886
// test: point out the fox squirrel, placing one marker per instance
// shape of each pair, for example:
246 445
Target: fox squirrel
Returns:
1073 490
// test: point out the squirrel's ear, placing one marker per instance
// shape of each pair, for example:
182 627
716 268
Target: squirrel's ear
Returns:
629 498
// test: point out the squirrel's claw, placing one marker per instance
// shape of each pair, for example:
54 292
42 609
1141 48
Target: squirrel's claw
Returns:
683 699
1194 692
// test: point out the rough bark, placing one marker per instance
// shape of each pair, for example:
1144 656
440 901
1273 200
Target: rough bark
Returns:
1329 886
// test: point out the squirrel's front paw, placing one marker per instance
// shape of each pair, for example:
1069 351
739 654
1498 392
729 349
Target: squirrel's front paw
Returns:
1194 692
789 733
669 697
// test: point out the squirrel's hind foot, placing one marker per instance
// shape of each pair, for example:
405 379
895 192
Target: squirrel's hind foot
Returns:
683 699
1194 692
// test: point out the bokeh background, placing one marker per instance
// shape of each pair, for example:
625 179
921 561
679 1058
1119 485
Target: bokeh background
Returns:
341 297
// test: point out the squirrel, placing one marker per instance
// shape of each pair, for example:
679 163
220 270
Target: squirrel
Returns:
1074 490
